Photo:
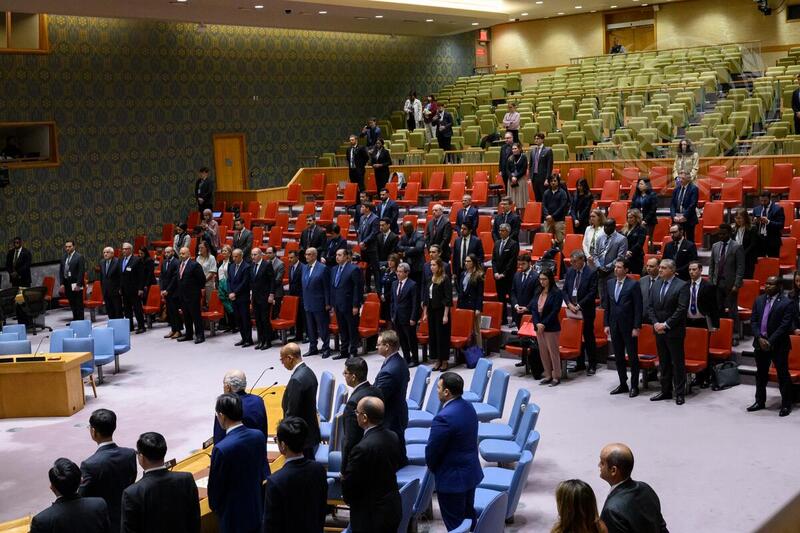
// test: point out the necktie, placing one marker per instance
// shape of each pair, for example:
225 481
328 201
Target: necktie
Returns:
465 281
575 287
536 160
235 270
183 265
292 272
16 256
617 291
106 270
124 263
399 288
680 198
502 245
693 306
383 208
338 275
256 272
352 158
721 265
524 277
664 286
464 244
594 238
650 287
765 317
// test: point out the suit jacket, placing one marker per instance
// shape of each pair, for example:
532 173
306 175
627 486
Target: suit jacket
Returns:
470 215
261 282
707 304
439 232
683 254
440 297
517 166
76 271
732 266
106 474
348 293
296 280
132 276
413 249
161 502
192 282
383 158
648 205
148 272
587 290
636 239
505 262
73 514
111 281
522 293
625 313
359 155
550 310
512 219
633 507
775 215
312 238
352 431
444 124
300 399
331 247
672 308
452 449
387 244
390 210
545 168
238 468
555 204
316 288
505 153
644 285
254 415
369 484
20 273
244 241
580 210
610 248
686 206
392 380
296 498
779 322
278 268
796 108
750 245
239 280
472 296
405 306
368 230
474 246
204 189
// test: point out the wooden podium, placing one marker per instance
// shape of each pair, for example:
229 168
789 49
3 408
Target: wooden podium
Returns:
53 387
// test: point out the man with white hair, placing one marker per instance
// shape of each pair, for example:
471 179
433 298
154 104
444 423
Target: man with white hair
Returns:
210 227
191 281
132 287
439 231
255 414
168 282
110 279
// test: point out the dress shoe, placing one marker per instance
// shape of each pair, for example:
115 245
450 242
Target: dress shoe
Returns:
660 396
169 335
184 339
340 356
247 344
578 368
310 353
240 343
140 330
258 346
201 340
555 383
756 407
634 392
784 411
413 364
591 371
265 346
620 390
680 400
521 363
326 354
546 381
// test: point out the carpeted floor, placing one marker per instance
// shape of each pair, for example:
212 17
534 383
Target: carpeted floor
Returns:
715 468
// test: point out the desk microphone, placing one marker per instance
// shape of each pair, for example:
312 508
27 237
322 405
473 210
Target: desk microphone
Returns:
266 391
261 376
40 344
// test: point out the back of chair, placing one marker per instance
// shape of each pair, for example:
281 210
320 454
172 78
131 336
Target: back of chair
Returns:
497 390
337 431
82 344
57 339
8 337
433 404
19 329
408 495
15 347
370 315
520 404
35 301
493 517
7 301
527 424
289 308
462 322
695 344
340 398
103 341
82 328
420 384
480 379
325 396
122 331
518 480
425 495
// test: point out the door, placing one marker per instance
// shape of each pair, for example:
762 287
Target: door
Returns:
230 162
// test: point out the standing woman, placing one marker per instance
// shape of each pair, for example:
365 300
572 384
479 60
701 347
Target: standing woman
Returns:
511 121
746 235
437 299
636 233
209 264
389 277
223 290
687 160
470 293
646 200
577 509
148 272
581 206
593 232
518 178
545 307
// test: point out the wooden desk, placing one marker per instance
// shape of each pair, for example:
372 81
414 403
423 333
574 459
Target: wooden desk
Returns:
45 388
20 525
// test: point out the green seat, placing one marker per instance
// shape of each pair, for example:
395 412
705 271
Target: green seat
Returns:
574 140
678 113
457 141
553 138
741 123
664 126
434 158
546 123
708 147
472 136
416 139
566 110
491 156
695 133
326 161
560 152
791 146
498 92
726 133
487 126
593 130
647 137
620 136
763 146
605 151
528 132
609 120
779 130
710 120
630 152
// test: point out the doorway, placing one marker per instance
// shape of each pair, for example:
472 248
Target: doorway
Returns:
230 161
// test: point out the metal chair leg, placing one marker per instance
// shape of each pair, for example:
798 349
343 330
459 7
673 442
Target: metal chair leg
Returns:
99 375
116 363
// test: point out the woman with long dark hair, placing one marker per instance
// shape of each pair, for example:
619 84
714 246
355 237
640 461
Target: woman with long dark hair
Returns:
577 509
518 178
545 307
437 299
470 293
581 206
687 160
645 200
746 234
148 271
389 277
636 233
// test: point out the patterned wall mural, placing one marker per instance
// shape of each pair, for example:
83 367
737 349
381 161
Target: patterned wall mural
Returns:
136 104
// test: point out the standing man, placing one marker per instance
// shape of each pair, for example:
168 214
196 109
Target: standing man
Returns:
771 324
162 501
296 496
18 264
770 219
388 209
239 281
346 298
646 283
443 121
504 265
392 380
111 469
611 246
254 413
681 250
300 396
465 245
506 216
357 158
355 375
371 131
411 249
242 237
439 231
71 273
387 241
276 293
622 321
262 278
580 290
238 470
369 483
796 104
404 313
703 308
683 208
430 110
381 160
555 208
522 289
133 284
204 190
452 452
726 273
467 213
368 229
191 281
111 282
667 306
541 165
335 242
312 237
169 291
505 153
296 289
316 302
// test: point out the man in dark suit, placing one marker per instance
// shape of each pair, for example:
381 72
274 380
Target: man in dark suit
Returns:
506 216
162 501
505 152
368 230
404 313
335 242
622 321
380 160
369 484
435 252
242 238
683 208
631 505
522 289
132 283
452 452
541 165
504 265
239 282
316 302
646 283
388 209
466 244
363 198
355 375
191 282
262 278
111 469
796 104
346 299
703 310
392 380
667 306
312 237
726 272
238 470
110 281
296 289
72 270
467 213
168 282
411 248
70 513
580 290
254 413
275 298
443 121
386 241
439 231
18 264
769 218
204 190
771 323
357 158
300 396
296 496
681 250
555 208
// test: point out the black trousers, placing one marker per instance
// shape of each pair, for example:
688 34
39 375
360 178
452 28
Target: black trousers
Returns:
261 309
589 342
503 296
781 362
192 318
357 176
348 331
410 123
445 143
317 323
622 341
373 271
438 335
132 306
300 320
771 246
75 299
241 308
688 228
173 314
538 187
671 359
408 341
113 304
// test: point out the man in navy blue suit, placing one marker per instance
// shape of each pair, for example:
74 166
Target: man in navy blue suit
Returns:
580 289
238 470
317 303
522 289
296 289
392 380
769 218
452 452
300 396
388 209
254 414
466 244
467 213
683 208
368 230
622 321
346 296
191 281
404 313
239 281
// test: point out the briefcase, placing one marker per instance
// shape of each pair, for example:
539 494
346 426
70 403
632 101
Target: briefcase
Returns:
725 374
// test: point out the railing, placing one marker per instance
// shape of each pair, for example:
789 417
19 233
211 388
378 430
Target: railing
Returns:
745 46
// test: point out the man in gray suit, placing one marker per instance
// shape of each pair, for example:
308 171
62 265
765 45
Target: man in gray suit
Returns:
726 272
611 246
242 238
646 284
667 306
540 165
276 296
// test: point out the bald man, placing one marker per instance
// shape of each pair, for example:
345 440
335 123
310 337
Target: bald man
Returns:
254 412
631 506
110 279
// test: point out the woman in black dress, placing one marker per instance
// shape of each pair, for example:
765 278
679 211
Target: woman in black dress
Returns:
437 299
746 234
636 234
470 293
581 206
148 271
646 201
389 277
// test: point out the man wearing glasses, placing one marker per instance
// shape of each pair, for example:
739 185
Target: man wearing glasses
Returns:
355 375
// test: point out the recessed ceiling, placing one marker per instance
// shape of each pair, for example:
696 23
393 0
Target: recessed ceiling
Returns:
402 17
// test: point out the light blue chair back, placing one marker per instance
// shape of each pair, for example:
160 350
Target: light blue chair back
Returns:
82 344
19 329
518 481
103 345
419 385
527 424
532 444
497 390
408 495
122 334
433 404
337 431
520 403
325 396
82 328
480 379
9 336
340 398
15 347
425 494
493 517
57 339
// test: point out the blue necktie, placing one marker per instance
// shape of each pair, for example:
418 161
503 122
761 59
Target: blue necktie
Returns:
663 290
693 307
124 263
338 275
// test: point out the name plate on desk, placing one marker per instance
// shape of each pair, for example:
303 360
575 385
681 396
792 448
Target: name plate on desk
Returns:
31 359
6 359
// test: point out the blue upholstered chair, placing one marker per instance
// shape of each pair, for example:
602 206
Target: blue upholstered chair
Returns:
500 478
408 495
82 328
335 444
325 396
424 419
419 385
426 485
492 519
338 401
83 344
8 336
122 338
103 349
57 339
480 379
493 407
509 451
501 430
483 497
19 329
15 347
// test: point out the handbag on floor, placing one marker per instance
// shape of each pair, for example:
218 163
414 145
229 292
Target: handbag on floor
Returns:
724 375
472 355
